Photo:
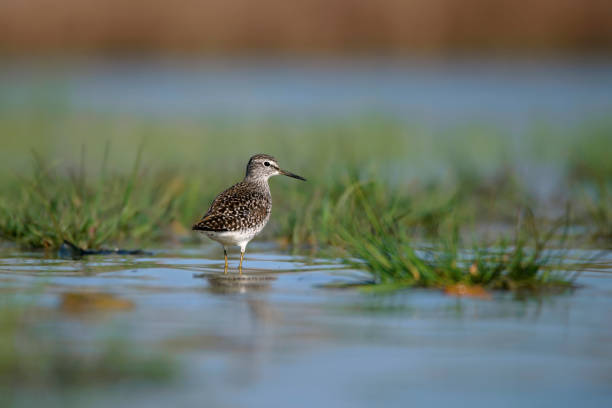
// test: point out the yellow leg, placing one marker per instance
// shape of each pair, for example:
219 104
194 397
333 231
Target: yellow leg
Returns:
225 253
241 257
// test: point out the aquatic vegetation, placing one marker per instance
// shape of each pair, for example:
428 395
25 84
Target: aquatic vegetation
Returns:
382 242
313 222
49 207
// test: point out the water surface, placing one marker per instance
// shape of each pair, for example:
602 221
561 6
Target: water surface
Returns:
510 92
294 342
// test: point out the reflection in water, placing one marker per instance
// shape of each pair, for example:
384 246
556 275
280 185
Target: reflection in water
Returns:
238 283
262 324
87 302
263 313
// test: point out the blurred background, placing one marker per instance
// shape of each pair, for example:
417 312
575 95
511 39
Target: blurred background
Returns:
433 64
390 27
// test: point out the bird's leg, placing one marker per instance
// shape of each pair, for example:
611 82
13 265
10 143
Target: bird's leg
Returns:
241 257
225 254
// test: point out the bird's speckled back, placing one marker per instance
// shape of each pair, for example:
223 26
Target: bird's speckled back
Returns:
244 206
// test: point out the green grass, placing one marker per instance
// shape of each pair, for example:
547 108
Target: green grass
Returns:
50 206
382 242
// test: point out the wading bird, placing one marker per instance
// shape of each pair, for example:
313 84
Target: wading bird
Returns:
239 213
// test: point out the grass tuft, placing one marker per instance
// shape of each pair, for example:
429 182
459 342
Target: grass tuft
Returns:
43 210
382 242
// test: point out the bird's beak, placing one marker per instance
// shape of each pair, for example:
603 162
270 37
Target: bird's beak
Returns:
289 174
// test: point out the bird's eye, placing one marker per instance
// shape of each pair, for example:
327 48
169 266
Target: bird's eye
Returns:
266 164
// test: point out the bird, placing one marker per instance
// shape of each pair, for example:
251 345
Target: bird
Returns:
239 213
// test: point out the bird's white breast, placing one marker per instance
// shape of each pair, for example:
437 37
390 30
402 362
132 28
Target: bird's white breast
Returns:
233 238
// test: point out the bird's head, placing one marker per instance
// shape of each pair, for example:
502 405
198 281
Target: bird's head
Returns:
263 166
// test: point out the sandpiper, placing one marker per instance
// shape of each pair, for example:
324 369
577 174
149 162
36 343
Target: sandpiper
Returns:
243 210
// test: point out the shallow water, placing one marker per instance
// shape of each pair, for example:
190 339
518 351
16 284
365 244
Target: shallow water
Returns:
292 342
510 92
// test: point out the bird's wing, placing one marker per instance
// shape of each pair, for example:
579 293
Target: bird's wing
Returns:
236 208
212 222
